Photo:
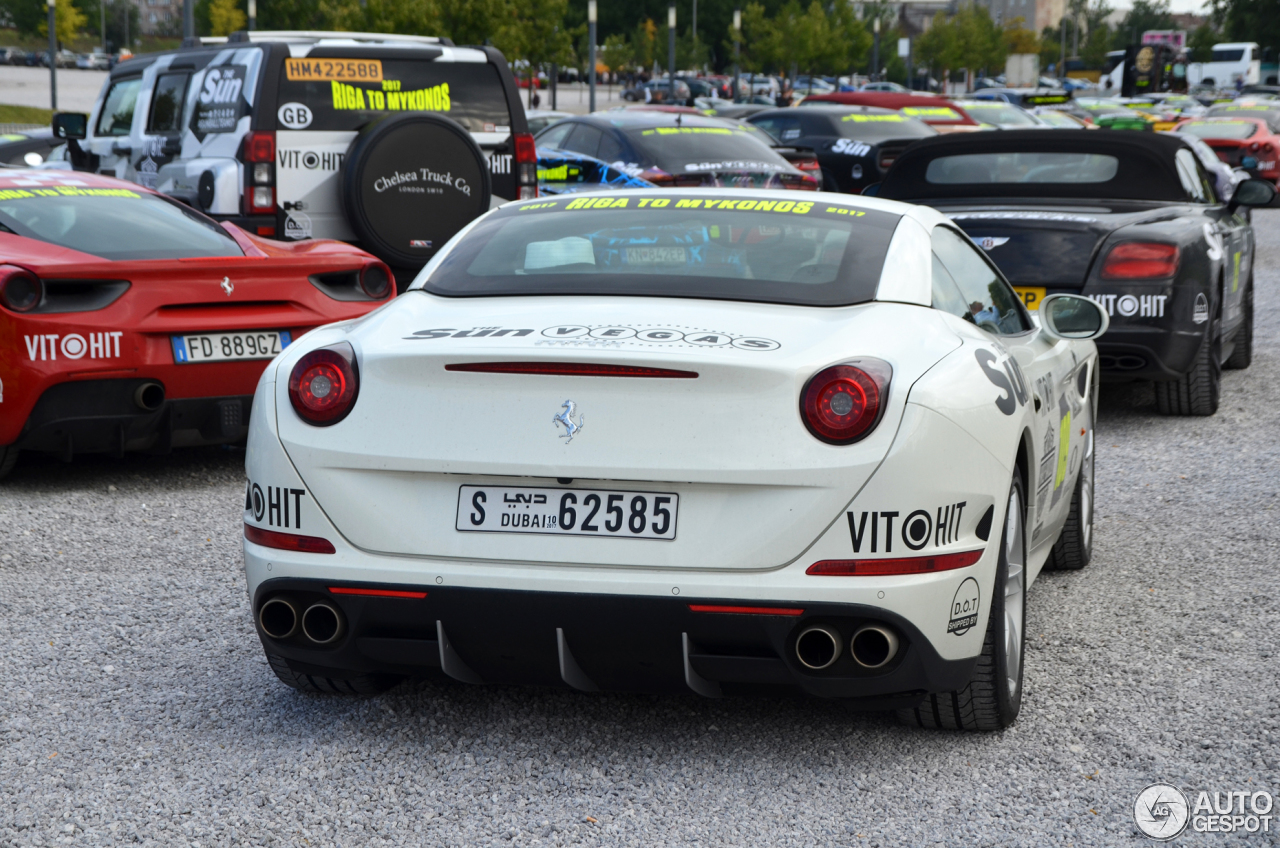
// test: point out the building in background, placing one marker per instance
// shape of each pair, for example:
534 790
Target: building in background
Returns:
1035 14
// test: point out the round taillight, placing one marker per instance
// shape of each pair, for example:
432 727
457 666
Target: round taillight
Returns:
841 404
324 384
375 281
20 290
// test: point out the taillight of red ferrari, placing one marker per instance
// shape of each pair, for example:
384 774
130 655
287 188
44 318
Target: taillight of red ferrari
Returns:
842 404
324 384
259 155
20 290
1140 260
526 159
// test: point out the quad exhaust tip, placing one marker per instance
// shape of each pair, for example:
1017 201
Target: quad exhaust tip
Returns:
278 618
873 646
818 647
321 623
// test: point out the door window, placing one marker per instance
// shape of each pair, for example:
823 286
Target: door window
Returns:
585 139
610 148
166 104
781 128
117 109
1189 172
985 298
555 136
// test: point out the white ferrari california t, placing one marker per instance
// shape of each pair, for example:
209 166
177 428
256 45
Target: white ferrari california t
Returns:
663 440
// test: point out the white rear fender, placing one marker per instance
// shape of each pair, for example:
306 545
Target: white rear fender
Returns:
939 491
276 499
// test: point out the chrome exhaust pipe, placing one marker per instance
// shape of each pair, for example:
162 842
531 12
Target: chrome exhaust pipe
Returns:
873 646
322 624
818 647
149 396
278 618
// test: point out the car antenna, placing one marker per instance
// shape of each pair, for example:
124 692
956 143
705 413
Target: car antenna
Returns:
679 119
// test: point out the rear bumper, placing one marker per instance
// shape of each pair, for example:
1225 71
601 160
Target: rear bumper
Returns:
1147 353
101 416
615 642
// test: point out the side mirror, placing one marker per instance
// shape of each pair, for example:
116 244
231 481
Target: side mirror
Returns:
1072 317
70 125
1252 193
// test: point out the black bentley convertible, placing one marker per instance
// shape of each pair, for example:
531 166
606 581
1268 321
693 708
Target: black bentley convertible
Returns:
1131 220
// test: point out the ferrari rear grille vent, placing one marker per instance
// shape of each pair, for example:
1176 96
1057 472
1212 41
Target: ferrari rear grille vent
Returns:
80 295
569 369
203 308
340 285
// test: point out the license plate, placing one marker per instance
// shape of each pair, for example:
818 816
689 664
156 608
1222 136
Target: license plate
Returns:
656 256
567 512
1031 296
223 347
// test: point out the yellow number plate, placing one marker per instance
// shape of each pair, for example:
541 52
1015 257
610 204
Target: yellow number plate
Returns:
326 70
1031 296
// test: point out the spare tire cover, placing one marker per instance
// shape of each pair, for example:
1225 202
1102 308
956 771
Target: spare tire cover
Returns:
410 183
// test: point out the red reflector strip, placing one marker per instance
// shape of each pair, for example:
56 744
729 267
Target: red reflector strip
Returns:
745 610
376 593
905 565
288 541
570 369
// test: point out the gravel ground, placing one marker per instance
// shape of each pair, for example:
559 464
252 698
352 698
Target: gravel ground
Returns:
137 707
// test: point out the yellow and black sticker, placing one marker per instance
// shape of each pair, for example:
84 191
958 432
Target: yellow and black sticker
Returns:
801 207
876 119
931 112
350 98
65 191
327 70
660 131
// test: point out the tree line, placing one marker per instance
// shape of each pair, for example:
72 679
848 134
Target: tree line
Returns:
778 36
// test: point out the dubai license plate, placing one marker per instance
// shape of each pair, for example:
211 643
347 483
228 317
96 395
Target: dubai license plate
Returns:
567 512
1031 296
224 347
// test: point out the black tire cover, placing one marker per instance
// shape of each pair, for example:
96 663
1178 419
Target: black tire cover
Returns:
410 183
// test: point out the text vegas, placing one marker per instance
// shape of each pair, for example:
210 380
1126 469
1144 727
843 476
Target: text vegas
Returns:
104 345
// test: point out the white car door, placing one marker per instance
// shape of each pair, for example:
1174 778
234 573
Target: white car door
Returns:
966 284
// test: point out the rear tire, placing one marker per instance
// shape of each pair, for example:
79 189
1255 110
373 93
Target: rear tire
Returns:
1242 354
360 684
8 459
1197 391
1074 547
993 697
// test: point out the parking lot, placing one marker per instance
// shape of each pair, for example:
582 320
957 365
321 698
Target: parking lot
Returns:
138 706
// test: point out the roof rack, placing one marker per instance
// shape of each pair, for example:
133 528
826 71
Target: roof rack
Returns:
312 36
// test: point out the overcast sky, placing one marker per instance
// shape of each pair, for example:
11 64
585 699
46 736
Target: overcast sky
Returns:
1198 7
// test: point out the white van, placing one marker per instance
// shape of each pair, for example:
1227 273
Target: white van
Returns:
1237 60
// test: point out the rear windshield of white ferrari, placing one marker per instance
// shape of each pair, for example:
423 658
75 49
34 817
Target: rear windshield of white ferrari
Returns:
808 252
113 223
1022 167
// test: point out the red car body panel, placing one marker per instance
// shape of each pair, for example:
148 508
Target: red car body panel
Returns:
130 339
1263 145
900 101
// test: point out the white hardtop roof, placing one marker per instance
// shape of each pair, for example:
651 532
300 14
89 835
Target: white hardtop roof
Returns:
315 36
1235 44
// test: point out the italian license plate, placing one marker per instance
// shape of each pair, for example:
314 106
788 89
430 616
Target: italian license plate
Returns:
223 347
567 512
1031 296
